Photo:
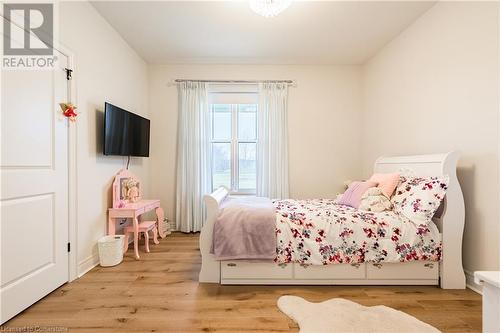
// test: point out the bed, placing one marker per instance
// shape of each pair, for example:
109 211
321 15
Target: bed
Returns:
439 266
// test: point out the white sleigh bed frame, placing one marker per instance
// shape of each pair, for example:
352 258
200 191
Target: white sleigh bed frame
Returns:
448 273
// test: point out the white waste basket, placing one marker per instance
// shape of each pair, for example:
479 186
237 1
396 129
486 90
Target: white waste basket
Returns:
110 250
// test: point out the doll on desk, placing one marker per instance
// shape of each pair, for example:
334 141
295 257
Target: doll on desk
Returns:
129 191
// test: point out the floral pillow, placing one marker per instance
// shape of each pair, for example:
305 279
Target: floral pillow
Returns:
418 198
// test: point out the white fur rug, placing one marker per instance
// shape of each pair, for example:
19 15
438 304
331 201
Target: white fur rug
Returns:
341 315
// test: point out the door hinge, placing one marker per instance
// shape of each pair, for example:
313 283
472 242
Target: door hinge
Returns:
69 247
69 73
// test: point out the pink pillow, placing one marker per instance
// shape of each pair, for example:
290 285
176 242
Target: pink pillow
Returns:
387 182
352 196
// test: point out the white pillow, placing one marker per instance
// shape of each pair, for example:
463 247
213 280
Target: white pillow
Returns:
418 198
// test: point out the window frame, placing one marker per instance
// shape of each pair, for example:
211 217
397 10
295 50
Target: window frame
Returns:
234 142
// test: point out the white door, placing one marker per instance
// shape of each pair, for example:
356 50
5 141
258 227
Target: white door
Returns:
34 186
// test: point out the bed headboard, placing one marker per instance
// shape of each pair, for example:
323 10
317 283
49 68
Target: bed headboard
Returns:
422 165
450 218
427 165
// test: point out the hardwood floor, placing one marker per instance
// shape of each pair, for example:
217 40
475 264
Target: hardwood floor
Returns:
160 293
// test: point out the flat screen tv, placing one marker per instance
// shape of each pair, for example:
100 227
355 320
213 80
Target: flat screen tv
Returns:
125 133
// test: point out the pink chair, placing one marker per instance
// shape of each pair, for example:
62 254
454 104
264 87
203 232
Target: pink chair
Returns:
144 227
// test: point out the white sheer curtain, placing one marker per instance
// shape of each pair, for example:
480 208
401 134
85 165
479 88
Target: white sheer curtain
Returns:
272 147
193 159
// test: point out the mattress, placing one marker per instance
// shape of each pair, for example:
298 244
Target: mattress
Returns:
321 232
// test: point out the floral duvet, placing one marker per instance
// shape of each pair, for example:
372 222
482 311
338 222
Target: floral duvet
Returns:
320 232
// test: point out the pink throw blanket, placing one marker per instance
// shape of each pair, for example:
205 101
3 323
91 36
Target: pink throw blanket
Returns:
245 229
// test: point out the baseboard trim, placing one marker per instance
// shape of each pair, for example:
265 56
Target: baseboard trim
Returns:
87 264
471 284
173 226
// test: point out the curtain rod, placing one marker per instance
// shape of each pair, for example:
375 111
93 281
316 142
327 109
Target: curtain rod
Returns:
290 82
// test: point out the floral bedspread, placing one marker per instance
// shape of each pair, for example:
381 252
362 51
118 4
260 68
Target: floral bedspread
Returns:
320 232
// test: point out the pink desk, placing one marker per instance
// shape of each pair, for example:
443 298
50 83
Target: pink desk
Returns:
134 211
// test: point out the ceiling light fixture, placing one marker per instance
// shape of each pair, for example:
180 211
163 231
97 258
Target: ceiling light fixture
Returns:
269 8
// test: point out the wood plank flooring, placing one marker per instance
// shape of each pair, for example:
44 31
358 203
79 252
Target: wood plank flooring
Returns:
160 293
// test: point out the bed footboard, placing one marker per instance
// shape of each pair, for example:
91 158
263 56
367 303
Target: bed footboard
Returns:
210 268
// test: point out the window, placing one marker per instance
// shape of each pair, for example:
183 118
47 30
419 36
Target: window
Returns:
234 145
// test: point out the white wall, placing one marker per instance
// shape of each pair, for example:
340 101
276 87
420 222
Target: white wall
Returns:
324 115
435 88
106 69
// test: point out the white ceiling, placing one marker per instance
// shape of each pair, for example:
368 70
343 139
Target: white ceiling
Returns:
327 32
